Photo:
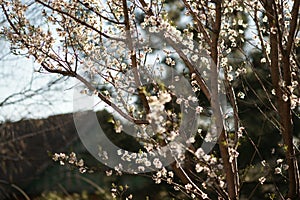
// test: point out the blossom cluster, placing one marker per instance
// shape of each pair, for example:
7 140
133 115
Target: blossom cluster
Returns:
70 159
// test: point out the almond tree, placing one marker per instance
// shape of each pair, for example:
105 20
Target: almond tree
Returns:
99 43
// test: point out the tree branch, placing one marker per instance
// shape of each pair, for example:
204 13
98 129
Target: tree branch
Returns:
134 59
229 168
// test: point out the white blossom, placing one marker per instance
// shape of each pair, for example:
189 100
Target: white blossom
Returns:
262 180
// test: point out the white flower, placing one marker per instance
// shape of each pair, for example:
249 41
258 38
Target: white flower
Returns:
240 22
141 168
285 167
241 95
265 19
188 186
62 156
55 157
118 126
199 168
278 161
80 163
168 60
194 58
199 153
165 97
158 181
222 184
204 196
263 163
129 197
72 160
273 30
193 76
262 180
171 174
273 92
233 154
277 170
72 155
176 188
285 97
157 163
147 163
119 152
108 173
178 100
82 170
240 132
213 160
281 83
229 77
